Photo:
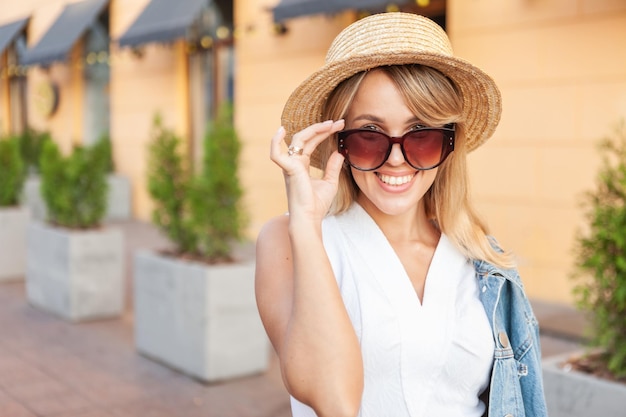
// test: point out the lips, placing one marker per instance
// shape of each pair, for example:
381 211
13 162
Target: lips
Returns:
395 180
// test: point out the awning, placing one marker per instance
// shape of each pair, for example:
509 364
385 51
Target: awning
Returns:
162 21
71 24
9 32
287 9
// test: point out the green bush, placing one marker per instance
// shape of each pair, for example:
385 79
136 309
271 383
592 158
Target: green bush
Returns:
12 172
107 150
74 188
601 255
168 183
215 195
31 145
200 213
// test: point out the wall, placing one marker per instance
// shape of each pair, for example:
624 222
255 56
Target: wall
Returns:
268 67
145 82
65 123
561 67
5 103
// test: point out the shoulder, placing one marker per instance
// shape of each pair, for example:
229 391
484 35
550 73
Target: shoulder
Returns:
274 228
273 240
487 268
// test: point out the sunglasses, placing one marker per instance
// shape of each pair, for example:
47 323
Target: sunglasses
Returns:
423 148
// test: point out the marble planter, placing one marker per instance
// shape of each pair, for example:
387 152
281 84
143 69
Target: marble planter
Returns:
13 223
75 274
199 319
571 393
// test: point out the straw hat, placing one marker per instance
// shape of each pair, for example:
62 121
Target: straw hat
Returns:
395 39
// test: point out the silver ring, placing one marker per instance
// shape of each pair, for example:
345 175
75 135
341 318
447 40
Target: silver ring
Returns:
294 150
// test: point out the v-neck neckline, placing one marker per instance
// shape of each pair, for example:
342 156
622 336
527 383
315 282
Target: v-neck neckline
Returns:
393 277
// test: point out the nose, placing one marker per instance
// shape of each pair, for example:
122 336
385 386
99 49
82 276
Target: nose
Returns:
396 157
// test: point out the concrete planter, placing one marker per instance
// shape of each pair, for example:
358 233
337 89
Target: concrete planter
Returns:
119 204
199 319
13 223
576 394
75 274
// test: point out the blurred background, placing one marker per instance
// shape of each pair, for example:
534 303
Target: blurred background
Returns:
80 71
83 69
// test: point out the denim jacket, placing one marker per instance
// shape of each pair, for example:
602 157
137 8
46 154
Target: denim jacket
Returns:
516 388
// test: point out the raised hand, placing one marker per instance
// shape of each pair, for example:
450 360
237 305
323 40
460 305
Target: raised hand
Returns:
308 198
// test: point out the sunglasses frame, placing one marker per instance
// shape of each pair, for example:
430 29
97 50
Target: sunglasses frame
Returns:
447 146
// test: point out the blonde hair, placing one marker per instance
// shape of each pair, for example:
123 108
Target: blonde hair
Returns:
436 101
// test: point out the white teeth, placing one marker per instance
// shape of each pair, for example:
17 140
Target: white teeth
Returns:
388 179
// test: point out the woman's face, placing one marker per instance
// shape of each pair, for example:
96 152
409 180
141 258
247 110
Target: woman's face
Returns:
395 188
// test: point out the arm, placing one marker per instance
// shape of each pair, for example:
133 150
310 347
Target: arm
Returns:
303 312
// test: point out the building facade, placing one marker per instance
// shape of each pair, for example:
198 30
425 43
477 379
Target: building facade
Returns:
95 68
560 64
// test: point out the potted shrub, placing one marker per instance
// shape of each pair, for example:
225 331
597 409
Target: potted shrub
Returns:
31 143
13 216
595 381
195 309
118 205
74 264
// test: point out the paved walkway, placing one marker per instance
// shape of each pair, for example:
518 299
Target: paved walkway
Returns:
52 368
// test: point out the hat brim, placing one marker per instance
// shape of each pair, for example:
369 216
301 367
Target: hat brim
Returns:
482 102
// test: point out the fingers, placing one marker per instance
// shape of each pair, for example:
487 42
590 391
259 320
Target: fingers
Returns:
305 141
309 138
275 148
302 146
306 194
333 167
294 150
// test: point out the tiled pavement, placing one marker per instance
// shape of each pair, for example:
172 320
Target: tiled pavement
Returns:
52 368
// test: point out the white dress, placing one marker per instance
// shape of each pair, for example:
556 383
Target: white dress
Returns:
420 360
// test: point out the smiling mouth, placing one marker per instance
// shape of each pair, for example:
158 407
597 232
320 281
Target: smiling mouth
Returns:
391 180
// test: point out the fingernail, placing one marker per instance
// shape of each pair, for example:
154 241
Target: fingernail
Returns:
327 122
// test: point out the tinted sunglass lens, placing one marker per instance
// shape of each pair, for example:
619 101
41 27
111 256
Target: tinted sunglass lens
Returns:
366 150
423 149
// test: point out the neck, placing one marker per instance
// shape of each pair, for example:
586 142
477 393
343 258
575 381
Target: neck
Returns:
410 226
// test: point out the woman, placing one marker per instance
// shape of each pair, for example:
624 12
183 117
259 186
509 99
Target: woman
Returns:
381 291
